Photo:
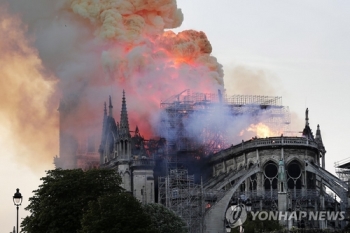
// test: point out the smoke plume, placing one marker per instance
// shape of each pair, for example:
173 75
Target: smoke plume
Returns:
138 55
98 48
82 51
27 92
246 80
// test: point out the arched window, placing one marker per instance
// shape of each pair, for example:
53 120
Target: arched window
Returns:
270 176
294 175
252 180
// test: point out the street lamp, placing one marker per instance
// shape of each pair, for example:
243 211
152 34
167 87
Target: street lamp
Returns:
17 200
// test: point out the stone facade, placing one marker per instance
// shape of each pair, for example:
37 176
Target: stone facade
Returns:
126 154
276 173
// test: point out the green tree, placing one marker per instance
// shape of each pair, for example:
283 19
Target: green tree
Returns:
165 220
59 203
116 213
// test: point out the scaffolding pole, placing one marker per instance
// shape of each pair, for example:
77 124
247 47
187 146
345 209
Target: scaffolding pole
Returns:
179 193
179 108
342 168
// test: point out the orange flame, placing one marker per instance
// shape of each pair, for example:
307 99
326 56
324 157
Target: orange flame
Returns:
149 63
132 49
262 131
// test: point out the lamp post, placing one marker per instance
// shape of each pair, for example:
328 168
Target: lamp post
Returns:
17 200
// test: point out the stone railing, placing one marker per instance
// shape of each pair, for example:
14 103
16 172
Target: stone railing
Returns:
142 163
264 142
262 194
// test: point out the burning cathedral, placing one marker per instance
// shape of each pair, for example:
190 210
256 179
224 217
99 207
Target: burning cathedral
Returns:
199 172
203 150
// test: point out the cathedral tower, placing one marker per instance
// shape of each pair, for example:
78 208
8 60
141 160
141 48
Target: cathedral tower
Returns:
123 147
127 154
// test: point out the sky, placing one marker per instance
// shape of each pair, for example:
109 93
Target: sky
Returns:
299 50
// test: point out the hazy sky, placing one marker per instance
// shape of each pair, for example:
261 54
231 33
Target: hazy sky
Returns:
299 50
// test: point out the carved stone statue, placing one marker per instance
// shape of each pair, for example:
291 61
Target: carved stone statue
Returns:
281 171
282 176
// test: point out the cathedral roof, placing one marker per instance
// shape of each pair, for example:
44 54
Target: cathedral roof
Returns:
109 125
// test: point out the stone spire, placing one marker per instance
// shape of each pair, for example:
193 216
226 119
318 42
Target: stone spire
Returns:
319 139
307 130
110 107
319 142
318 133
137 132
124 122
105 110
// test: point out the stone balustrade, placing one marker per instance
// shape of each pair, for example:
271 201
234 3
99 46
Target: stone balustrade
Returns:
142 162
257 143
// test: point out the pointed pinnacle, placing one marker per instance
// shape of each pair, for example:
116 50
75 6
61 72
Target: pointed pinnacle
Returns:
110 106
110 102
124 122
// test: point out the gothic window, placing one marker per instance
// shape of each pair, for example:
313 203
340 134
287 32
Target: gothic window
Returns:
270 176
242 187
311 180
252 180
294 175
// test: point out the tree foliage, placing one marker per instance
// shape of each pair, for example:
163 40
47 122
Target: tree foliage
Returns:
165 220
59 203
117 213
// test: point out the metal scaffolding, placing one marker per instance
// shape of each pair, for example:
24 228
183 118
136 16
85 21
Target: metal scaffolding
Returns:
178 192
342 168
179 108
